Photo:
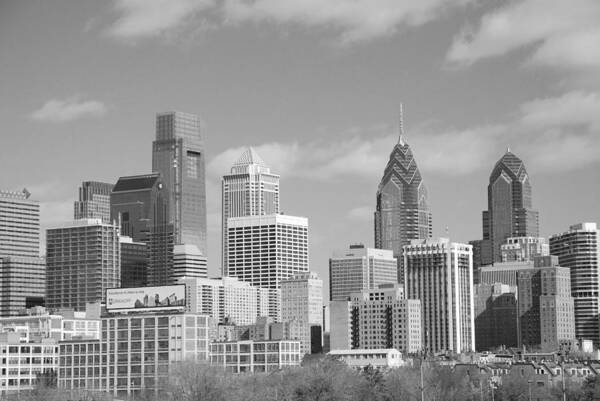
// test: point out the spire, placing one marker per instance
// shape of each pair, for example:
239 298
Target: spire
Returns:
401 126
508 149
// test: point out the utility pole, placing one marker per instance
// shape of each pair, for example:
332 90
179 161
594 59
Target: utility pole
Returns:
422 387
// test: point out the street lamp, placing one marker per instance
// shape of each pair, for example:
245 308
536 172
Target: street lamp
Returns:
529 384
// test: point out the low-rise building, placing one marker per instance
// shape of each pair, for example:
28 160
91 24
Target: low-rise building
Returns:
376 358
255 356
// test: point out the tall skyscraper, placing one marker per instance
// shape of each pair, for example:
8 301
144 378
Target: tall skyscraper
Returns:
83 260
249 190
178 154
579 250
510 212
545 305
359 268
302 303
264 250
22 270
402 212
94 201
440 274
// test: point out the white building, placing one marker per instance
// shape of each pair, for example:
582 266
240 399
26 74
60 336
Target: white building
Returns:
376 358
440 274
340 327
360 268
255 356
249 190
227 299
188 261
264 250
302 301
523 249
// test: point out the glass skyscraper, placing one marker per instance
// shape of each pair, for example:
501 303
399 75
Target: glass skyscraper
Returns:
178 154
510 212
402 212
249 190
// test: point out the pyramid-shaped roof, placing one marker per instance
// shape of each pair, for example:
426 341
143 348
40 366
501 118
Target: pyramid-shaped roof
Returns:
249 157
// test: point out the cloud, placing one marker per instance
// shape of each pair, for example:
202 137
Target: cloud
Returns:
361 213
73 108
535 132
352 20
561 34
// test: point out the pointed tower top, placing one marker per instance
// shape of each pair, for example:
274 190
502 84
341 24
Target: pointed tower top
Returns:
250 157
401 126
508 149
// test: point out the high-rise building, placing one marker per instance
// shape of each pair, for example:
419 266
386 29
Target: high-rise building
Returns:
226 299
505 272
94 201
160 255
579 250
510 212
249 190
134 263
302 302
523 249
496 316
22 270
359 268
83 259
546 310
188 261
178 154
264 250
440 274
402 213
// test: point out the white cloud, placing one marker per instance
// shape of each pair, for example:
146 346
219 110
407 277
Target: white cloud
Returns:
572 108
73 108
353 20
562 34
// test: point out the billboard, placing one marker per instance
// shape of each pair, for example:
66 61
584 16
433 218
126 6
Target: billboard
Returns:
140 298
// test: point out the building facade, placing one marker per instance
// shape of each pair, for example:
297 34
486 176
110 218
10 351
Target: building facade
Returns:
402 209
250 189
504 272
94 201
496 316
188 261
255 356
359 268
302 302
440 274
83 259
578 249
178 155
134 263
523 249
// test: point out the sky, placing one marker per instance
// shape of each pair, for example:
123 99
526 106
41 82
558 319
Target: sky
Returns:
315 87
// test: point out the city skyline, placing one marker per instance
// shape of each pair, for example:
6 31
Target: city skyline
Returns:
337 149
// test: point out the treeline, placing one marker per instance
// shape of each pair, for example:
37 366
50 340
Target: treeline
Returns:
330 380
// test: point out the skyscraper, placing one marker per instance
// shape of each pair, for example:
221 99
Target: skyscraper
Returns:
510 212
83 260
249 190
22 270
440 274
359 268
178 154
579 250
402 212
188 261
94 201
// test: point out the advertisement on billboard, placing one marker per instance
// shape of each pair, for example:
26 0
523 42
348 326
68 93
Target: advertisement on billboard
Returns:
139 298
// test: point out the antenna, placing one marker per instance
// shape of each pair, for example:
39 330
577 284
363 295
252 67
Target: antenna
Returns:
401 125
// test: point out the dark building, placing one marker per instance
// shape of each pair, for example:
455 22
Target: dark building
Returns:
510 212
134 263
496 316
178 154
402 211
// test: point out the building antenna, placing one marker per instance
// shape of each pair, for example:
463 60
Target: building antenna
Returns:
401 125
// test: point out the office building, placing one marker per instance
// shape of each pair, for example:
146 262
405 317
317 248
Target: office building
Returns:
188 261
402 211
178 155
504 272
255 356
361 359
359 268
496 316
22 270
134 263
83 259
302 302
523 249
94 201
546 308
578 249
160 255
341 325
264 250
226 299
440 274
510 211
249 190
